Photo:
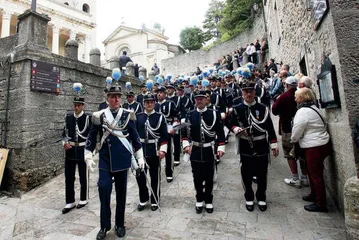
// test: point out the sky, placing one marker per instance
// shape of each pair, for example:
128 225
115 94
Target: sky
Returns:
172 15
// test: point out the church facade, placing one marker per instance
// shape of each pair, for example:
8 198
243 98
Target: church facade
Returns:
144 46
70 19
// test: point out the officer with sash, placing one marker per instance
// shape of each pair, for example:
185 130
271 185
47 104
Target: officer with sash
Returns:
119 146
205 129
74 136
131 104
152 129
169 110
253 126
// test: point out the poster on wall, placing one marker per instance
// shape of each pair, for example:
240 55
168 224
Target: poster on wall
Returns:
319 9
45 77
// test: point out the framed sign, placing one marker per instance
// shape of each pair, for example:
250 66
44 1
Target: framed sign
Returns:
328 86
320 9
45 77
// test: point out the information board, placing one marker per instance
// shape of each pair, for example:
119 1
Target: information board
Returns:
45 77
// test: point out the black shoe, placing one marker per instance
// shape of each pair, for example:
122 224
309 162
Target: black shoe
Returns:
102 234
154 208
199 210
262 208
250 207
254 179
315 208
66 210
113 180
176 164
169 180
209 210
80 205
140 207
120 232
309 198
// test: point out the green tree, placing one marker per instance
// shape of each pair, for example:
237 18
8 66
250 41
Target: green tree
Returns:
212 17
157 26
237 16
191 38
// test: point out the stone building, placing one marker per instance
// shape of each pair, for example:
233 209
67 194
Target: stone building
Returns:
144 46
69 20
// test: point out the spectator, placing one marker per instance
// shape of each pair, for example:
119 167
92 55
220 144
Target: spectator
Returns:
309 130
224 62
217 64
253 53
286 107
229 62
155 69
279 87
136 68
124 59
272 65
285 67
257 45
198 71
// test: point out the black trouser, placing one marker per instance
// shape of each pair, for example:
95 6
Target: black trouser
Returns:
254 166
70 169
203 171
177 148
105 190
169 160
155 174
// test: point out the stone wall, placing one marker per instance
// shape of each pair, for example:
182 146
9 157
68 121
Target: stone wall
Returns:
188 62
292 37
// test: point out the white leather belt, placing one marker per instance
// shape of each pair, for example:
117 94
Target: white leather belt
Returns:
198 144
75 144
256 138
148 140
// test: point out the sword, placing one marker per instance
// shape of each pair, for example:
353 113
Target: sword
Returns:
152 192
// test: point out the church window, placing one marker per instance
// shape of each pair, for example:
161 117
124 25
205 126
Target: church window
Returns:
86 8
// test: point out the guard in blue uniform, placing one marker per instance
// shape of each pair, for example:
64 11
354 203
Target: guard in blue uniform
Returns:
169 110
140 96
152 129
103 105
74 136
131 104
119 146
205 129
253 126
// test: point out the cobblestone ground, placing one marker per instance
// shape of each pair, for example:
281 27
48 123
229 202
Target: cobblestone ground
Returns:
37 215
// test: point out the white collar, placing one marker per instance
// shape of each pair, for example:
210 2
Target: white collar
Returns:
131 103
78 116
249 104
164 100
150 113
202 110
173 95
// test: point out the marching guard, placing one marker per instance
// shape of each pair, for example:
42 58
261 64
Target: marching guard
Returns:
131 104
74 136
152 129
140 96
169 110
253 126
205 128
119 146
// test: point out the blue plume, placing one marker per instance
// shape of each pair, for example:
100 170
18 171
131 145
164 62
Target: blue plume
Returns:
250 66
205 74
205 83
141 78
159 80
108 81
246 72
116 74
77 87
200 77
156 77
211 71
128 85
194 81
182 76
179 80
149 84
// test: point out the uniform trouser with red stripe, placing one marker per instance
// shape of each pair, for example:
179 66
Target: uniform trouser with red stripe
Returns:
254 166
314 158
203 171
155 174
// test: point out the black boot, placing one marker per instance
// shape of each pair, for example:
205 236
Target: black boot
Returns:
120 232
102 234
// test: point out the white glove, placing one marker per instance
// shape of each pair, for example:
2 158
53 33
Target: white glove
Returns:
140 159
223 116
89 161
183 120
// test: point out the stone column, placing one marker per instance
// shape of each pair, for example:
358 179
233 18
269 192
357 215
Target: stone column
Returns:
114 62
71 49
87 48
5 29
351 207
33 32
151 75
95 57
142 71
55 39
72 34
130 69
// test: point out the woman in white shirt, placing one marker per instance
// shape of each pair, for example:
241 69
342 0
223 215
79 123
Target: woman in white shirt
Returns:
309 130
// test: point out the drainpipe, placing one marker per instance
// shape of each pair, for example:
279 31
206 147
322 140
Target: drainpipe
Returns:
9 60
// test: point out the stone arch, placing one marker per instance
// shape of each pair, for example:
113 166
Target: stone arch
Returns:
86 8
123 47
